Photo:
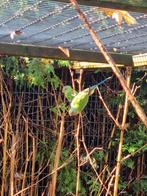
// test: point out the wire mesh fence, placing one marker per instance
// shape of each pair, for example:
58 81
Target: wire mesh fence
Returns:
36 127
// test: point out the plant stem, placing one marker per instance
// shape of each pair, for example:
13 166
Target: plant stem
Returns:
109 147
6 116
27 156
122 134
33 166
12 164
52 187
77 139
78 157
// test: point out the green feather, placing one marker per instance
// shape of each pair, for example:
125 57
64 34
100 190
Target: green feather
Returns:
78 103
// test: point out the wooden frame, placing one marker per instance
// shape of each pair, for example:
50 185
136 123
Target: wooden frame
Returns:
140 6
55 53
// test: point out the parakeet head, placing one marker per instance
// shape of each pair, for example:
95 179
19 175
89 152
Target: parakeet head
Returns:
66 88
69 93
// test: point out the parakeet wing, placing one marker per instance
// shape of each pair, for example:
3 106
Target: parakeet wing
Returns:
78 103
69 93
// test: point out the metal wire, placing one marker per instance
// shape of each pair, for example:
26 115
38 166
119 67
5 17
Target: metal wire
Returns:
55 24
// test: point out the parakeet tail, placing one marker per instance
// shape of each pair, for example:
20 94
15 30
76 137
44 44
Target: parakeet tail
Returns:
103 81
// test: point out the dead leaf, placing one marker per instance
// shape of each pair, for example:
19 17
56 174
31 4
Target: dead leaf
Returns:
15 33
130 20
120 16
18 32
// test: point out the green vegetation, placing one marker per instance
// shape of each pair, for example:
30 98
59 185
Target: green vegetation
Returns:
40 72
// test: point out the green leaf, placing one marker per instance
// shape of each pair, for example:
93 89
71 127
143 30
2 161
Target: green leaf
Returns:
129 163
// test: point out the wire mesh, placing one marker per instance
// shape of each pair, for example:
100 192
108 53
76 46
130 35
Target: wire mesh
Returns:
54 24
36 106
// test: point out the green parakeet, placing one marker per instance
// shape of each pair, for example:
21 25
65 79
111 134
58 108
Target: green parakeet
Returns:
80 101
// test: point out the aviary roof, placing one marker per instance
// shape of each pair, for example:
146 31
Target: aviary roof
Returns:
53 24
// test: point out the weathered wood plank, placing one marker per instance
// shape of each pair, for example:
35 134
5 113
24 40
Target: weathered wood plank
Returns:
55 53
90 65
140 60
128 5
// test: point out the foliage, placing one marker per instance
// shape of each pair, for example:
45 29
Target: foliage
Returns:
122 184
40 72
63 63
139 185
59 109
67 176
44 152
135 139
91 182
34 72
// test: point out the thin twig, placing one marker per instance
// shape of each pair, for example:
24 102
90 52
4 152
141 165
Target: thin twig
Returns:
27 155
77 140
109 145
128 76
90 160
52 187
78 157
108 110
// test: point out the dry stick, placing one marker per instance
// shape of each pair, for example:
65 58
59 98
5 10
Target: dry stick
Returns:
90 160
37 139
109 144
6 113
90 153
33 166
128 76
59 168
138 173
18 117
126 158
12 164
27 155
91 163
103 139
108 110
111 62
4 159
77 140
72 78
110 184
41 115
52 187
78 157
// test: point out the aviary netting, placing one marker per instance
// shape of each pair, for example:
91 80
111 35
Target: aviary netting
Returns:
54 29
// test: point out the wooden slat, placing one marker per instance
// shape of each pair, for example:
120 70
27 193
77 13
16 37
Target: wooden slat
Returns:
129 5
140 60
55 53
90 65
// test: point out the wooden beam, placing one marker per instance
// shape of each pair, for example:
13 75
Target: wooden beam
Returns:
128 5
90 65
55 53
140 60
